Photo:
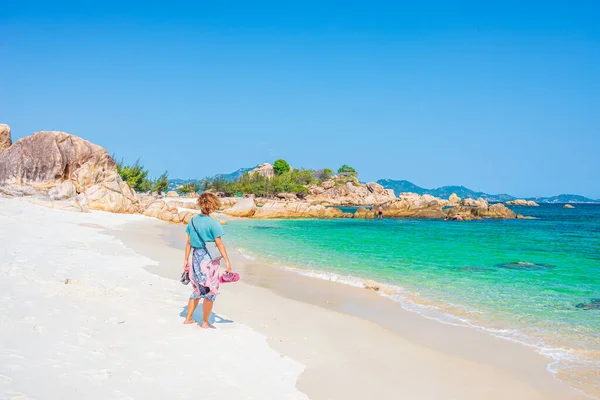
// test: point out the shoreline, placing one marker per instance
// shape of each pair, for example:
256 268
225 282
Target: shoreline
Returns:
450 315
573 360
513 360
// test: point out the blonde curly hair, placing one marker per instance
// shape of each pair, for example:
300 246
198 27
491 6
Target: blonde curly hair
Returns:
208 203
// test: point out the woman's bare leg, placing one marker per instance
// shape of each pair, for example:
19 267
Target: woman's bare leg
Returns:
207 306
192 304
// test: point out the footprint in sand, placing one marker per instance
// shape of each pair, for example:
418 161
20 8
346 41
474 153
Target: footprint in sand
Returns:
5 379
98 374
39 329
16 355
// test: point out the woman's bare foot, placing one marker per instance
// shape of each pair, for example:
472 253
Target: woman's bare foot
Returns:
190 321
206 325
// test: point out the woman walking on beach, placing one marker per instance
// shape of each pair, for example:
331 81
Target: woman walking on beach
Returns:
202 229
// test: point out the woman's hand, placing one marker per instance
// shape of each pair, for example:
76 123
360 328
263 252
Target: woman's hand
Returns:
221 247
186 266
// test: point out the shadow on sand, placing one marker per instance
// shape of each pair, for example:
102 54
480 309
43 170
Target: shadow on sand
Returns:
213 319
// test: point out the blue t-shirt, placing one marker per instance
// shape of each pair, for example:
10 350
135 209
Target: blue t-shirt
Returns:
208 228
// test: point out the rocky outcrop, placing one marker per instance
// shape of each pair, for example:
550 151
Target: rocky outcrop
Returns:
265 170
227 202
349 193
243 208
328 184
166 211
297 209
363 213
479 203
287 196
411 205
5 139
60 166
454 199
568 206
522 202
477 209
172 193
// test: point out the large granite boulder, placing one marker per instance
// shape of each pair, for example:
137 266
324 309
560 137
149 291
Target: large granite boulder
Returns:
5 139
479 209
412 205
172 193
168 211
243 208
60 166
363 213
328 184
287 196
227 202
479 203
454 199
348 193
522 202
297 209
568 206
265 170
374 187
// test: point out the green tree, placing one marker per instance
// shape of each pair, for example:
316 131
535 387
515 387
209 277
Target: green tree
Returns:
323 174
136 176
162 183
190 187
346 170
205 184
281 167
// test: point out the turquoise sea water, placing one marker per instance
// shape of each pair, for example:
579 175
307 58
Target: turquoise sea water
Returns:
527 280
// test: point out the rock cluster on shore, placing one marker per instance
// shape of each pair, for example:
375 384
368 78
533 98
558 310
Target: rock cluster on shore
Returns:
337 192
522 202
65 168
64 171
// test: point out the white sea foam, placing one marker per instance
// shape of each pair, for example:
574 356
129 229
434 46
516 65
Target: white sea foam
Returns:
561 358
246 254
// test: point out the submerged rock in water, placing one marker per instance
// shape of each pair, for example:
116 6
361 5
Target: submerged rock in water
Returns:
474 269
594 304
524 265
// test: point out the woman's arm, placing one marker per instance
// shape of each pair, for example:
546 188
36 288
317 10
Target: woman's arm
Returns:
221 247
188 249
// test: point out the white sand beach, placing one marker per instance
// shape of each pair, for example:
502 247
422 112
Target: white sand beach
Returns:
90 308
81 319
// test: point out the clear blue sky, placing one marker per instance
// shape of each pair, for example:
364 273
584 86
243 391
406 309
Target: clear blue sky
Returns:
499 96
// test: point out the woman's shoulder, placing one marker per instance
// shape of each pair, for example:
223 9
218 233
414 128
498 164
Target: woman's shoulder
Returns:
205 220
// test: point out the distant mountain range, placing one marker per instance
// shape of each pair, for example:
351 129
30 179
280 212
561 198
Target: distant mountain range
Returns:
233 176
463 192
